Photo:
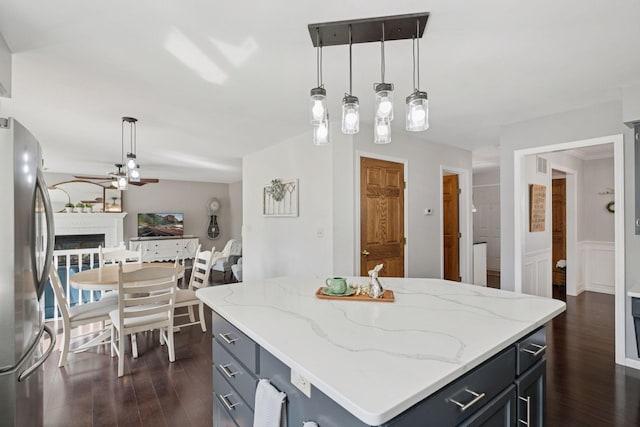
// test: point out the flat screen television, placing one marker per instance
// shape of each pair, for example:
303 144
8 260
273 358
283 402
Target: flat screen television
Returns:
160 224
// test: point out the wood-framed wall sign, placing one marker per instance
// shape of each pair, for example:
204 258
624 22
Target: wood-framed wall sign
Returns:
537 207
112 200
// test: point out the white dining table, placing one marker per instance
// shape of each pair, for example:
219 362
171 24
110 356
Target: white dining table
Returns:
106 278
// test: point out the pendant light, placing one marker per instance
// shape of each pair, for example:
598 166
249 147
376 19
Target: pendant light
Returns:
131 164
319 111
350 103
384 103
417 102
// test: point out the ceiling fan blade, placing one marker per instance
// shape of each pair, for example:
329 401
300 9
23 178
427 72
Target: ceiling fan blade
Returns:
89 177
149 180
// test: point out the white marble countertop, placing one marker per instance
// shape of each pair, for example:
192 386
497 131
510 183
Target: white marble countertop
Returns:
378 359
634 291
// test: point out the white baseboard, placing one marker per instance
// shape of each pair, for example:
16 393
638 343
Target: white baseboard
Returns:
632 363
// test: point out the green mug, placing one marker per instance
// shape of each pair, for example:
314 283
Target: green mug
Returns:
337 285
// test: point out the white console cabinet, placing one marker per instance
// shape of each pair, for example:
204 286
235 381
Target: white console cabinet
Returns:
165 249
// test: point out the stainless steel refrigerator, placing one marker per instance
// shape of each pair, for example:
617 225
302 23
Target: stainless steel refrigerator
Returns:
26 250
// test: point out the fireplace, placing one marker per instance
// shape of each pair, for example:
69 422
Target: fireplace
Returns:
89 229
79 241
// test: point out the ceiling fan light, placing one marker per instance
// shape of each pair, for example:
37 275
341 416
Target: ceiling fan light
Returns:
131 161
134 175
417 111
384 101
122 183
350 114
382 132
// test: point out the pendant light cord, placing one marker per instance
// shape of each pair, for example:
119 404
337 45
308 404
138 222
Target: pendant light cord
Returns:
122 145
382 54
350 65
418 52
318 58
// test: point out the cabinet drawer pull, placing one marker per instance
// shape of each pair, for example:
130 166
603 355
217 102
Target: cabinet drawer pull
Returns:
463 407
538 349
226 338
225 370
527 400
226 402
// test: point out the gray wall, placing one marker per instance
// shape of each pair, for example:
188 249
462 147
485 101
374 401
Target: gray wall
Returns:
5 68
598 224
179 196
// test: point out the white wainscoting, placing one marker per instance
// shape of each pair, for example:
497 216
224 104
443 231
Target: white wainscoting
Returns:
597 267
536 273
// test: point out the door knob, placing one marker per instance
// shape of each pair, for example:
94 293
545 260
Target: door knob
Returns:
366 252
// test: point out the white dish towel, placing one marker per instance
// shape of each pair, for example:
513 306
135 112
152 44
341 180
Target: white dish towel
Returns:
269 406
309 424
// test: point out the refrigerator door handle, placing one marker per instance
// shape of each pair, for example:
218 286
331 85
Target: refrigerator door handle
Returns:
41 281
27 372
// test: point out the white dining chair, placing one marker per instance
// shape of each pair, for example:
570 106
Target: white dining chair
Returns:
80 315
119 254
199 279
146 299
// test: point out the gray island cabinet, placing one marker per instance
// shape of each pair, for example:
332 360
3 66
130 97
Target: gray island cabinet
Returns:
442 354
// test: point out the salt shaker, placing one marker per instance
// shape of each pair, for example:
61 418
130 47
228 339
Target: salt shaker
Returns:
375 287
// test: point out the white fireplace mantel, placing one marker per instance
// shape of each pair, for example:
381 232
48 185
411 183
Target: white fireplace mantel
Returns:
109 224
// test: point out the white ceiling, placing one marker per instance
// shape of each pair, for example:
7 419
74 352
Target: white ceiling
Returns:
212 81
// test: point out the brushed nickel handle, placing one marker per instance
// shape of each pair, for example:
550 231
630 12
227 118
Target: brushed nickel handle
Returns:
225 370
528 402
226 338
366 253
540 349
226 402
463 407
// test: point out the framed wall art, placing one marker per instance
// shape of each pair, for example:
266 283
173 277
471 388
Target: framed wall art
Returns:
112 200
537 207
280 198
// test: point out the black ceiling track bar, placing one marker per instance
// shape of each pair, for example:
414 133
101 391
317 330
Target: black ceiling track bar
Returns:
397 27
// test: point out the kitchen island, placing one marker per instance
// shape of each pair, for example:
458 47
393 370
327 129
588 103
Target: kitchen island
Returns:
439 354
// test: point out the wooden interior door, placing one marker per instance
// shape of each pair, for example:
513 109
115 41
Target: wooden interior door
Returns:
382 216
559 228
451 227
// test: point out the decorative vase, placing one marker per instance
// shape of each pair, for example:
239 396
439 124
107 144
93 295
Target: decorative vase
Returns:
68 210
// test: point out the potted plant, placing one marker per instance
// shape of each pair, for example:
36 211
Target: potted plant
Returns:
88 207
68 207
79 207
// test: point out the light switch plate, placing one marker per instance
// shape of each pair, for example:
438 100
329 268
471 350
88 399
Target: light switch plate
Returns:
301 383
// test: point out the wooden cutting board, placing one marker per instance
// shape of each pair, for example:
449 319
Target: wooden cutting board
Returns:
387 296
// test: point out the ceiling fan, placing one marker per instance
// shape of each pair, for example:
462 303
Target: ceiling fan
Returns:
111 178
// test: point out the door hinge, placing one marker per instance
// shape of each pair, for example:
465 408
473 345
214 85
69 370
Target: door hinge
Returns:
459 190
404 184
459 235
404 240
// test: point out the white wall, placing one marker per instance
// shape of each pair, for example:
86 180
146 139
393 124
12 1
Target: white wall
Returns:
235 200
289 246
5 68
328 201
486 219
424 160
589 122
599 120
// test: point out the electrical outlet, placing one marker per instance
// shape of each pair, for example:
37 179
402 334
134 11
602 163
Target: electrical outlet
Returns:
301 383
428 211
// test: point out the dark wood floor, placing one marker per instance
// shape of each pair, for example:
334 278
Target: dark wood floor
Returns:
584 386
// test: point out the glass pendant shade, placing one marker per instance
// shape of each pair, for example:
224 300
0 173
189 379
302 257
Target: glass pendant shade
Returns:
134 175
318 107
131 161
417 112
321 133
350 114
384 101
122 183
382 131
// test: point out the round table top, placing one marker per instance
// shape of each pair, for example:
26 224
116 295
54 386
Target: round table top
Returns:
106 278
